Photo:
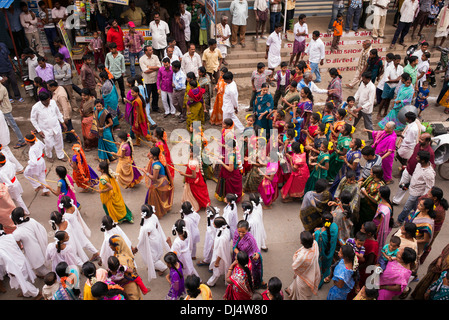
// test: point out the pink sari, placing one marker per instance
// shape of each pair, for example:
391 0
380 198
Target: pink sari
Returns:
384 142
294 187
239 289
382 221
269 190
394 274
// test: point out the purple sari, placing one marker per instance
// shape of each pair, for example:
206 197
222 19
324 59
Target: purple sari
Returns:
249 245
382 221
394 274
129 108
384 142
177 284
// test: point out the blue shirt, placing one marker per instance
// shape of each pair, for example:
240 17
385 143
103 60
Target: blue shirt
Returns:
179 80
14 20
203 21
356 4
5 64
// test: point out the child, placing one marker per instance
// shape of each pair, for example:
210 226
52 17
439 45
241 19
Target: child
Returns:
268 188
118 273
255 220
61 250
278 118
318 139
358 244
274 290
96 46
181 247
348 105
434 10
109 228
128 104
36 169
50 286
175 278
309 133
222 247
344 274
258 77
389 252
202 19
320 163
68 286
212 213
282 77
421 100
342 213
338 124
192 220
367 294
230 212
338 31
101 68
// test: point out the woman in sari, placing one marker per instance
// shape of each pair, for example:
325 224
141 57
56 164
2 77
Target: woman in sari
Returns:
128 174
65 186
196 108
244 241
338 124
160 184
41 86
262 107
111 196
343 274
334 89
238 277
383 217
268 188
216 118
128 103
439 290
385 146
313 205
369 197
403 98
87 116
83 175
102 126
306 269
296 183
303 111
139 118
230 177
320 166
160 141
349 184
336 159
351 162
370 256
328 118
110 97
195 188
327 238
126 259
205 83
393 281
374 65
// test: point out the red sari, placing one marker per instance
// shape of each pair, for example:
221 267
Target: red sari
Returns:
165 156
296 183
239 289
140 120
195 188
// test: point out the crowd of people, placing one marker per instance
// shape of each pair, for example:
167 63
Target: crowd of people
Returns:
340 181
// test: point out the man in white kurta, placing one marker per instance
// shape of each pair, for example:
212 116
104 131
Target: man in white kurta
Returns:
274 44
8 177
380 17
36 168
223 35
231 101
46 119
410 136
4 141
442 23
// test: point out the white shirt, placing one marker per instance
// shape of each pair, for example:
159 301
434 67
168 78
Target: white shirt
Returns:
379 11
411 134
423 179
146 62
230 98
260 5
59 14
300 28
176 53
423 66
32 64
315 50
191 64
239 12
187 17
408 10
381 83
28 23
274 41
418 53
365 97
392 73
46 119
159 34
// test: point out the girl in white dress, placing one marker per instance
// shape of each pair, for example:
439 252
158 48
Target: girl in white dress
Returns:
32 239
62 251
256 221
152 242
181 247
71 213
230 212
36 168
14 262
222 256
8 176
192 220
212 213
109 228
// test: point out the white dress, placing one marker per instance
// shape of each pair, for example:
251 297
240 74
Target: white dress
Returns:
76 241
67 255
222 249
151 245
8 177
36 165
231 217
182 249
34 240
13 261
255 220
79 230
209 241
106 251
193 233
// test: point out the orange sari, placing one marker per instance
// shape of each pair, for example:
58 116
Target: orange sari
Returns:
216 118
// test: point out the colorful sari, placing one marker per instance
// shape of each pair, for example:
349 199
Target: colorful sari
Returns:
384 142
335 97
83 175
351 156
139 121
105 139
248 244
438 290
368 205
110 99
305 110
87 118
177 288
240 288
312 207
160 192
341 220
195 190
128 174
263 104
296 183
317 173
354 190
229 181
337 126
327 247
335 163
405 97
67 189
394 274
113 204
268 189
205 84
195 102
165 156
423 225
341 273
382 221
129 109
216 118
328 120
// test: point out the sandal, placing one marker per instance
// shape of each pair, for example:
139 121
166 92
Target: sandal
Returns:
202 263
20 145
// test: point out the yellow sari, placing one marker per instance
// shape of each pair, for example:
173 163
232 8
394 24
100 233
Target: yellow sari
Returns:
112 201
216 118
125 170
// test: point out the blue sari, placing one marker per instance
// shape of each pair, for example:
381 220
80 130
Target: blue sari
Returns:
325 260
100 119
110 98
341 273
405 97
263 104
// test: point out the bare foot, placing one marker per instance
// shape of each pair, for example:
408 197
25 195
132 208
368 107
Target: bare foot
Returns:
38 189
46 194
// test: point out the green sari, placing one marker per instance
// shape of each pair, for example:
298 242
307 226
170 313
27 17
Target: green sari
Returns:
335 163
317 173
327 247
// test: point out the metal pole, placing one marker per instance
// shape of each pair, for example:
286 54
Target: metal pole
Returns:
13 42
285 17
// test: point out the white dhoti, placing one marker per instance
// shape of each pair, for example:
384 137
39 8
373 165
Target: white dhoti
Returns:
223 49
54 140
274 60
37 172
238 125
15 191
405 178
405 152
10 157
